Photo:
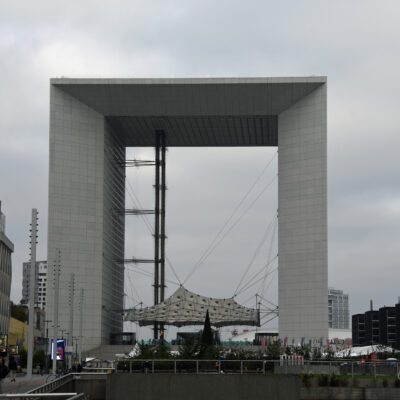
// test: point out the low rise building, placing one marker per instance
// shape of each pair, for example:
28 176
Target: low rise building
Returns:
6 249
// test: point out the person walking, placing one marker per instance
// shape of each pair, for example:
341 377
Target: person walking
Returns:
3 371
13 368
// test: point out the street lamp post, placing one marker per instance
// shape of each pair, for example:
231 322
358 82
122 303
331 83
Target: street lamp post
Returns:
46 362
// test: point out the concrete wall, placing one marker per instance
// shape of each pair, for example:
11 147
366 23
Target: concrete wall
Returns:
200 387
82 192
302 191
342 393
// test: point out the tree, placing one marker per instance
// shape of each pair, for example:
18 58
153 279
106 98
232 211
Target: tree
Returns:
274 351
39 358
207 337
189 349
207 348
19 312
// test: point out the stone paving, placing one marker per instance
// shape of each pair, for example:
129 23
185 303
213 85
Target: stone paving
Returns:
22 384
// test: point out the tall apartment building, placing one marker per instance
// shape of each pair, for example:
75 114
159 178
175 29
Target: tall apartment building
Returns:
387 326
6 248
358 329
377 327
338 309
40 283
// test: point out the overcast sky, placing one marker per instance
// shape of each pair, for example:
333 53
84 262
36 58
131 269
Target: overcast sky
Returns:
355 43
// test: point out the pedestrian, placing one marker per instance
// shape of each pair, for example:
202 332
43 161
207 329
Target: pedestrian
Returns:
13 368
3 371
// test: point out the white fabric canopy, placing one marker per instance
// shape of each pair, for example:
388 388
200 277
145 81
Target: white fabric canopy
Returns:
187 308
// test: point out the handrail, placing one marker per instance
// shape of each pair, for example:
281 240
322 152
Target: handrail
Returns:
39 395
285 365
51 385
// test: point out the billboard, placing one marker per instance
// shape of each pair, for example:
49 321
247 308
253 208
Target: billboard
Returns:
3 344
60 349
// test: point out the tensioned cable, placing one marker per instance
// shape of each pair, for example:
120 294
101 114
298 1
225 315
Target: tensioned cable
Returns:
262 269
137 204
251 283
268 301
200 260
248 286
262 285
132 289
147 273
230 228
258 248
149 226
270 282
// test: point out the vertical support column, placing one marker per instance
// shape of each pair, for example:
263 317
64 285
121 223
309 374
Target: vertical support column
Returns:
163 192
32 282
156 227
302 192
85 184
163 188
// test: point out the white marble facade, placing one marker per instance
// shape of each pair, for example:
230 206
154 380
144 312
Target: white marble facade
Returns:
91 123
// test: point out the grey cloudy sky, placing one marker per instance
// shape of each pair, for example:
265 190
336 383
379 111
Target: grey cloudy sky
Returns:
355 43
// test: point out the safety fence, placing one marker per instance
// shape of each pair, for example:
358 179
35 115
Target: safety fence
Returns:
286 365
48 390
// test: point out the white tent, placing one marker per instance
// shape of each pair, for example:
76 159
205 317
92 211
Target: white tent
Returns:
364 351
187 308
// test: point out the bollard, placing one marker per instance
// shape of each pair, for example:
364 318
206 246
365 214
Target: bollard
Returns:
152 366
130 366
174 366
241 367
197 366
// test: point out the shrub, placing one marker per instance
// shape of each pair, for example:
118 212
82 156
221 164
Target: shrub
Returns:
306 379
343 382
323 380
334 381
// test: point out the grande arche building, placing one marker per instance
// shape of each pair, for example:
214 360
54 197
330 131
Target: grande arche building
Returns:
92 121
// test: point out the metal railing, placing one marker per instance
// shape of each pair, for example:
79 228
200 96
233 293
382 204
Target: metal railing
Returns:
47 390
53 385
39 395
320 367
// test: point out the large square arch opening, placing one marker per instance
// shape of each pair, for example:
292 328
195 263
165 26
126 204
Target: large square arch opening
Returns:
92 121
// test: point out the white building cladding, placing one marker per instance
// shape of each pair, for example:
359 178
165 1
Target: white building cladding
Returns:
93 120
338 309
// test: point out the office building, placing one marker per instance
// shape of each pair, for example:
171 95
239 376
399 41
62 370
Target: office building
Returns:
338 309
377 327
92 121
41 286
